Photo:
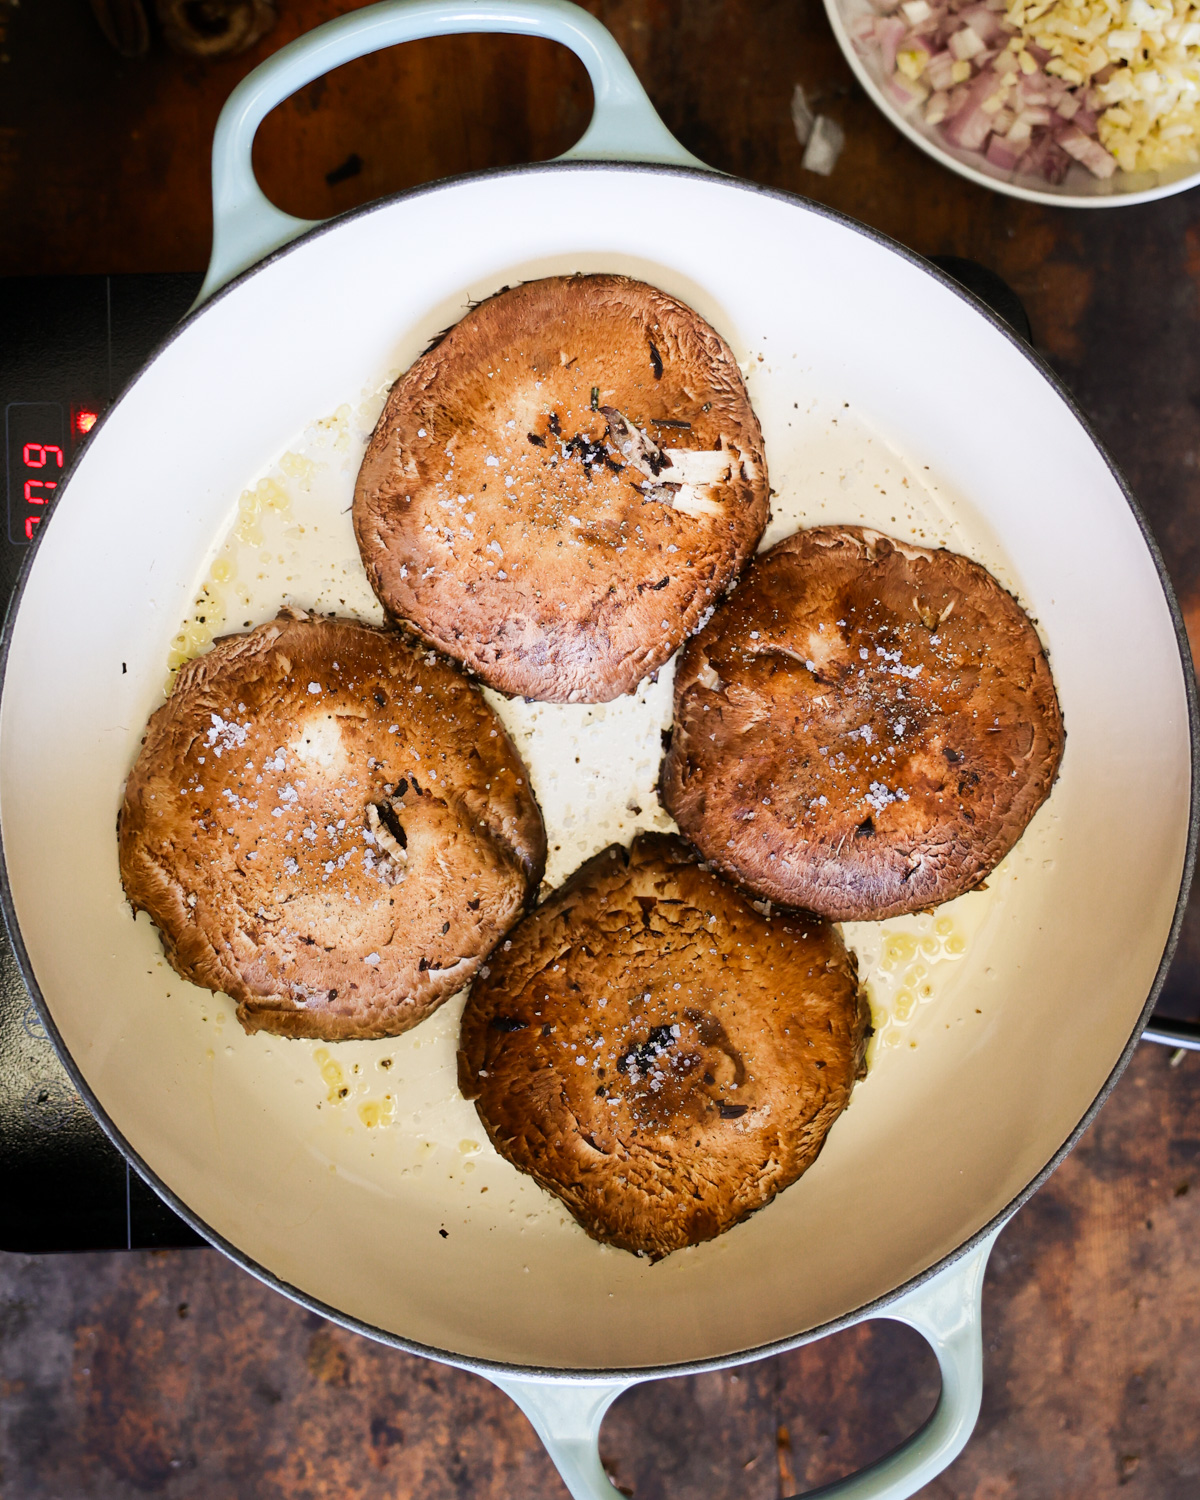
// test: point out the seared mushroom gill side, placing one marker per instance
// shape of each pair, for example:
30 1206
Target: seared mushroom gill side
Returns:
864 729
329 825
561 487
656 1052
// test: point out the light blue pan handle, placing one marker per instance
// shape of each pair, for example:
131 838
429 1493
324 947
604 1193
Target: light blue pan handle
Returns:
946 1310
247 226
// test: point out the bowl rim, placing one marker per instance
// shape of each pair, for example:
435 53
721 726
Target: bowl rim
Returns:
1013 189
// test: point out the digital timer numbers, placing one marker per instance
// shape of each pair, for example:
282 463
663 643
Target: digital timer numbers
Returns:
35 433
39 491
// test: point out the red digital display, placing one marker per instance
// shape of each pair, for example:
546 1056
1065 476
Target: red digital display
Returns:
37 457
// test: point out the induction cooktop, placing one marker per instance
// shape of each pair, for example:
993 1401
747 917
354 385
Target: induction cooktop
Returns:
67 347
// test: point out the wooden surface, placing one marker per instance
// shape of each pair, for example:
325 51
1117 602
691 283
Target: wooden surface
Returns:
174 1374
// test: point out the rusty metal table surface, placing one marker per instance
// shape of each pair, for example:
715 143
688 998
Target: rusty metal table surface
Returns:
173 1373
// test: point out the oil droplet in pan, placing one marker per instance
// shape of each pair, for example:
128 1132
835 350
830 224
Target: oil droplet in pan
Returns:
332 1074
903 969
377 1112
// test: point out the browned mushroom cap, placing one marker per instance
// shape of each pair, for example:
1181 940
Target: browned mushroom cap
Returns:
864 729
656 1053
559 489
329 825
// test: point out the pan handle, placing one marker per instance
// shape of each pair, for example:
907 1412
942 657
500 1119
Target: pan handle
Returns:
247 226
945 1310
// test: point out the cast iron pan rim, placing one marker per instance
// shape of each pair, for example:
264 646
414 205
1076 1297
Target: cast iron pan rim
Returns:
878 1307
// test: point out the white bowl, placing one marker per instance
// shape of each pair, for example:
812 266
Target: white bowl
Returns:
1079 189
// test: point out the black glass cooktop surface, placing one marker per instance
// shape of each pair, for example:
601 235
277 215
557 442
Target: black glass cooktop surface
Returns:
67 346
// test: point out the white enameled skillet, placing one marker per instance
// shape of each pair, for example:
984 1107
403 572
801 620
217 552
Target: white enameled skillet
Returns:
938 1150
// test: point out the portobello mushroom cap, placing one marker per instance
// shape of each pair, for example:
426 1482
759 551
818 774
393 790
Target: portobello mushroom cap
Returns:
562 485
330 825
864 729
658 1054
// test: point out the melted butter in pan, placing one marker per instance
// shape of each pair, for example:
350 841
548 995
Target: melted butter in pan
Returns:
390 1110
